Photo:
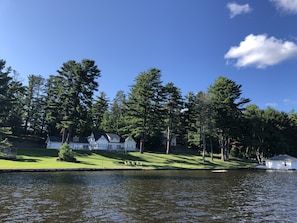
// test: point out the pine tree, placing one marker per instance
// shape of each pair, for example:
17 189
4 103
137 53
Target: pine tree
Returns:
70 94
227 104
172 106
99 108
144 108
5 80
34 104
117 114
11 96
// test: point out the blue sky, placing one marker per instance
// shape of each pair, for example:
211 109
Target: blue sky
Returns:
193 42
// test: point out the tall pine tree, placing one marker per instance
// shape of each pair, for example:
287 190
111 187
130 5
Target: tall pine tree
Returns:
70 93
227 103
144 108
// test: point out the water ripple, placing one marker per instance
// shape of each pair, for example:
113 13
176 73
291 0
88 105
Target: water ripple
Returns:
149 196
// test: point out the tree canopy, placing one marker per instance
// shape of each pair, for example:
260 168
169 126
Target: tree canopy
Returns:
219 120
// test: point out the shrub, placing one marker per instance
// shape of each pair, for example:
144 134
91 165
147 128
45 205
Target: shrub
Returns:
66 153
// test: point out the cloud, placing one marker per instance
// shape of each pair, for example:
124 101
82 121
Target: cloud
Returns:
287 6
236 9
271 104
289 102
261 51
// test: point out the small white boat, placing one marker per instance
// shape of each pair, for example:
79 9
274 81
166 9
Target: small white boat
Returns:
219 171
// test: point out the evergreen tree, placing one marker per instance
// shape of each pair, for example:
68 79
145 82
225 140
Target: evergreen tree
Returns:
11 99
117 113
200 120
172 106
255 128
227 103
53 103
277 125
70 94
99 108
5 102
191 119
205 118
144 108
34 104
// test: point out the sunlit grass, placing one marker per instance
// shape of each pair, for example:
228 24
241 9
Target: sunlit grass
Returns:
47 159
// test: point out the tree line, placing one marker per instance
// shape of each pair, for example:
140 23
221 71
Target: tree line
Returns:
218 120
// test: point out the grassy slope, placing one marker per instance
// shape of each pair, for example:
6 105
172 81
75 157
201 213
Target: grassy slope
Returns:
43 159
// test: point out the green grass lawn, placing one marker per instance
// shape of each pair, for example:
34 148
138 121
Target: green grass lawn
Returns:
47 159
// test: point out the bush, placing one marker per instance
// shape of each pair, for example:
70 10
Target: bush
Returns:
66 153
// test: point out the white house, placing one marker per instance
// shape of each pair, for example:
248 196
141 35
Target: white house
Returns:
111 141
76 143
115 141
130 144
96 141
53 142
282 162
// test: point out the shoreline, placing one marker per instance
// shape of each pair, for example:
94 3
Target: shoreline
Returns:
42 160
35 170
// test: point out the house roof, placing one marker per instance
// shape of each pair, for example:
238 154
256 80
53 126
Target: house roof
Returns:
129 138
108 136
111 136
97 135
282 157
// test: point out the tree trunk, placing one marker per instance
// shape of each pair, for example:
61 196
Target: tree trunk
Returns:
259 155
227 150
211 149
221 144
204 146
141 145
222 153
63 135
247 152
224 145
168 141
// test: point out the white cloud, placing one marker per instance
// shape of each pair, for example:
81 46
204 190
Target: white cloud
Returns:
271 104
289 102
288 6
261 51
236 9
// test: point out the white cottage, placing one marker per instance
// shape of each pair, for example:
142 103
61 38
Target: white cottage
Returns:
130 144
96 141
76 143
282 162
53 142
115 141
111 141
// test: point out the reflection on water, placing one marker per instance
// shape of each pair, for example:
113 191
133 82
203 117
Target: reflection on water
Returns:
149 196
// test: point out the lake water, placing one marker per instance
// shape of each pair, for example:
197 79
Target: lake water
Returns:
149 196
